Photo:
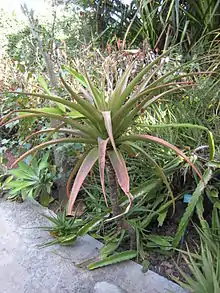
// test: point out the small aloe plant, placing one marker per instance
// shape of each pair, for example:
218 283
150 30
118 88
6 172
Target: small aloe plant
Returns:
101 118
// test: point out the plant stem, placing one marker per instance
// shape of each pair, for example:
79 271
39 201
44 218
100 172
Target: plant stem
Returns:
116 209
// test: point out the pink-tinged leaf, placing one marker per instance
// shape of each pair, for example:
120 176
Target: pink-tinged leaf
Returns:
164 143
73 173
102 146
84 169
121 172
51 142
108 125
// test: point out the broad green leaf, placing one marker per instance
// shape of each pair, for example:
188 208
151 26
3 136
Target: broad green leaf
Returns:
45 199
43 163
123 256
161 240
19 184
23 174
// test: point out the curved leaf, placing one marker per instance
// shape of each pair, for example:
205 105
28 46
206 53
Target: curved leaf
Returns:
3 123
53 130
50 110
102 146
84 169
211 141
91 132
121 85
121 172
119 257
151 96
120 100
97 96
51 142
87 109
161 141
108 125
73 173
76 74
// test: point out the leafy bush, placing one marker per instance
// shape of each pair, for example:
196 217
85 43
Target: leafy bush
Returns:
33 180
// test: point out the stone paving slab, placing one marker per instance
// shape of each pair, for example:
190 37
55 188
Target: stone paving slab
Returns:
25 268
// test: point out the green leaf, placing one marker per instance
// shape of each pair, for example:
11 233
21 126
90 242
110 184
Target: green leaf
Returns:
159 170
90 225
84 107
51 110
146 137
98 97
76 74
123 256
191 207
45 199
74 114
145 266
161 218
44 85
211 141
163 241
111 246
19 184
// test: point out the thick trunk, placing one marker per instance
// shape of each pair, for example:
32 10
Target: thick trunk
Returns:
116 209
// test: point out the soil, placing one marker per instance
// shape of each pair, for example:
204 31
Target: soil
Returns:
166 265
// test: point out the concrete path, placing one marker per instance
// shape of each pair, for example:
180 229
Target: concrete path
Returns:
24 268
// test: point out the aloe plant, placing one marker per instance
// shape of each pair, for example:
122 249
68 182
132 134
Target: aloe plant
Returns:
100 118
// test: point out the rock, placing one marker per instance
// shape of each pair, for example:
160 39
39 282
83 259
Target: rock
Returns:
105 287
